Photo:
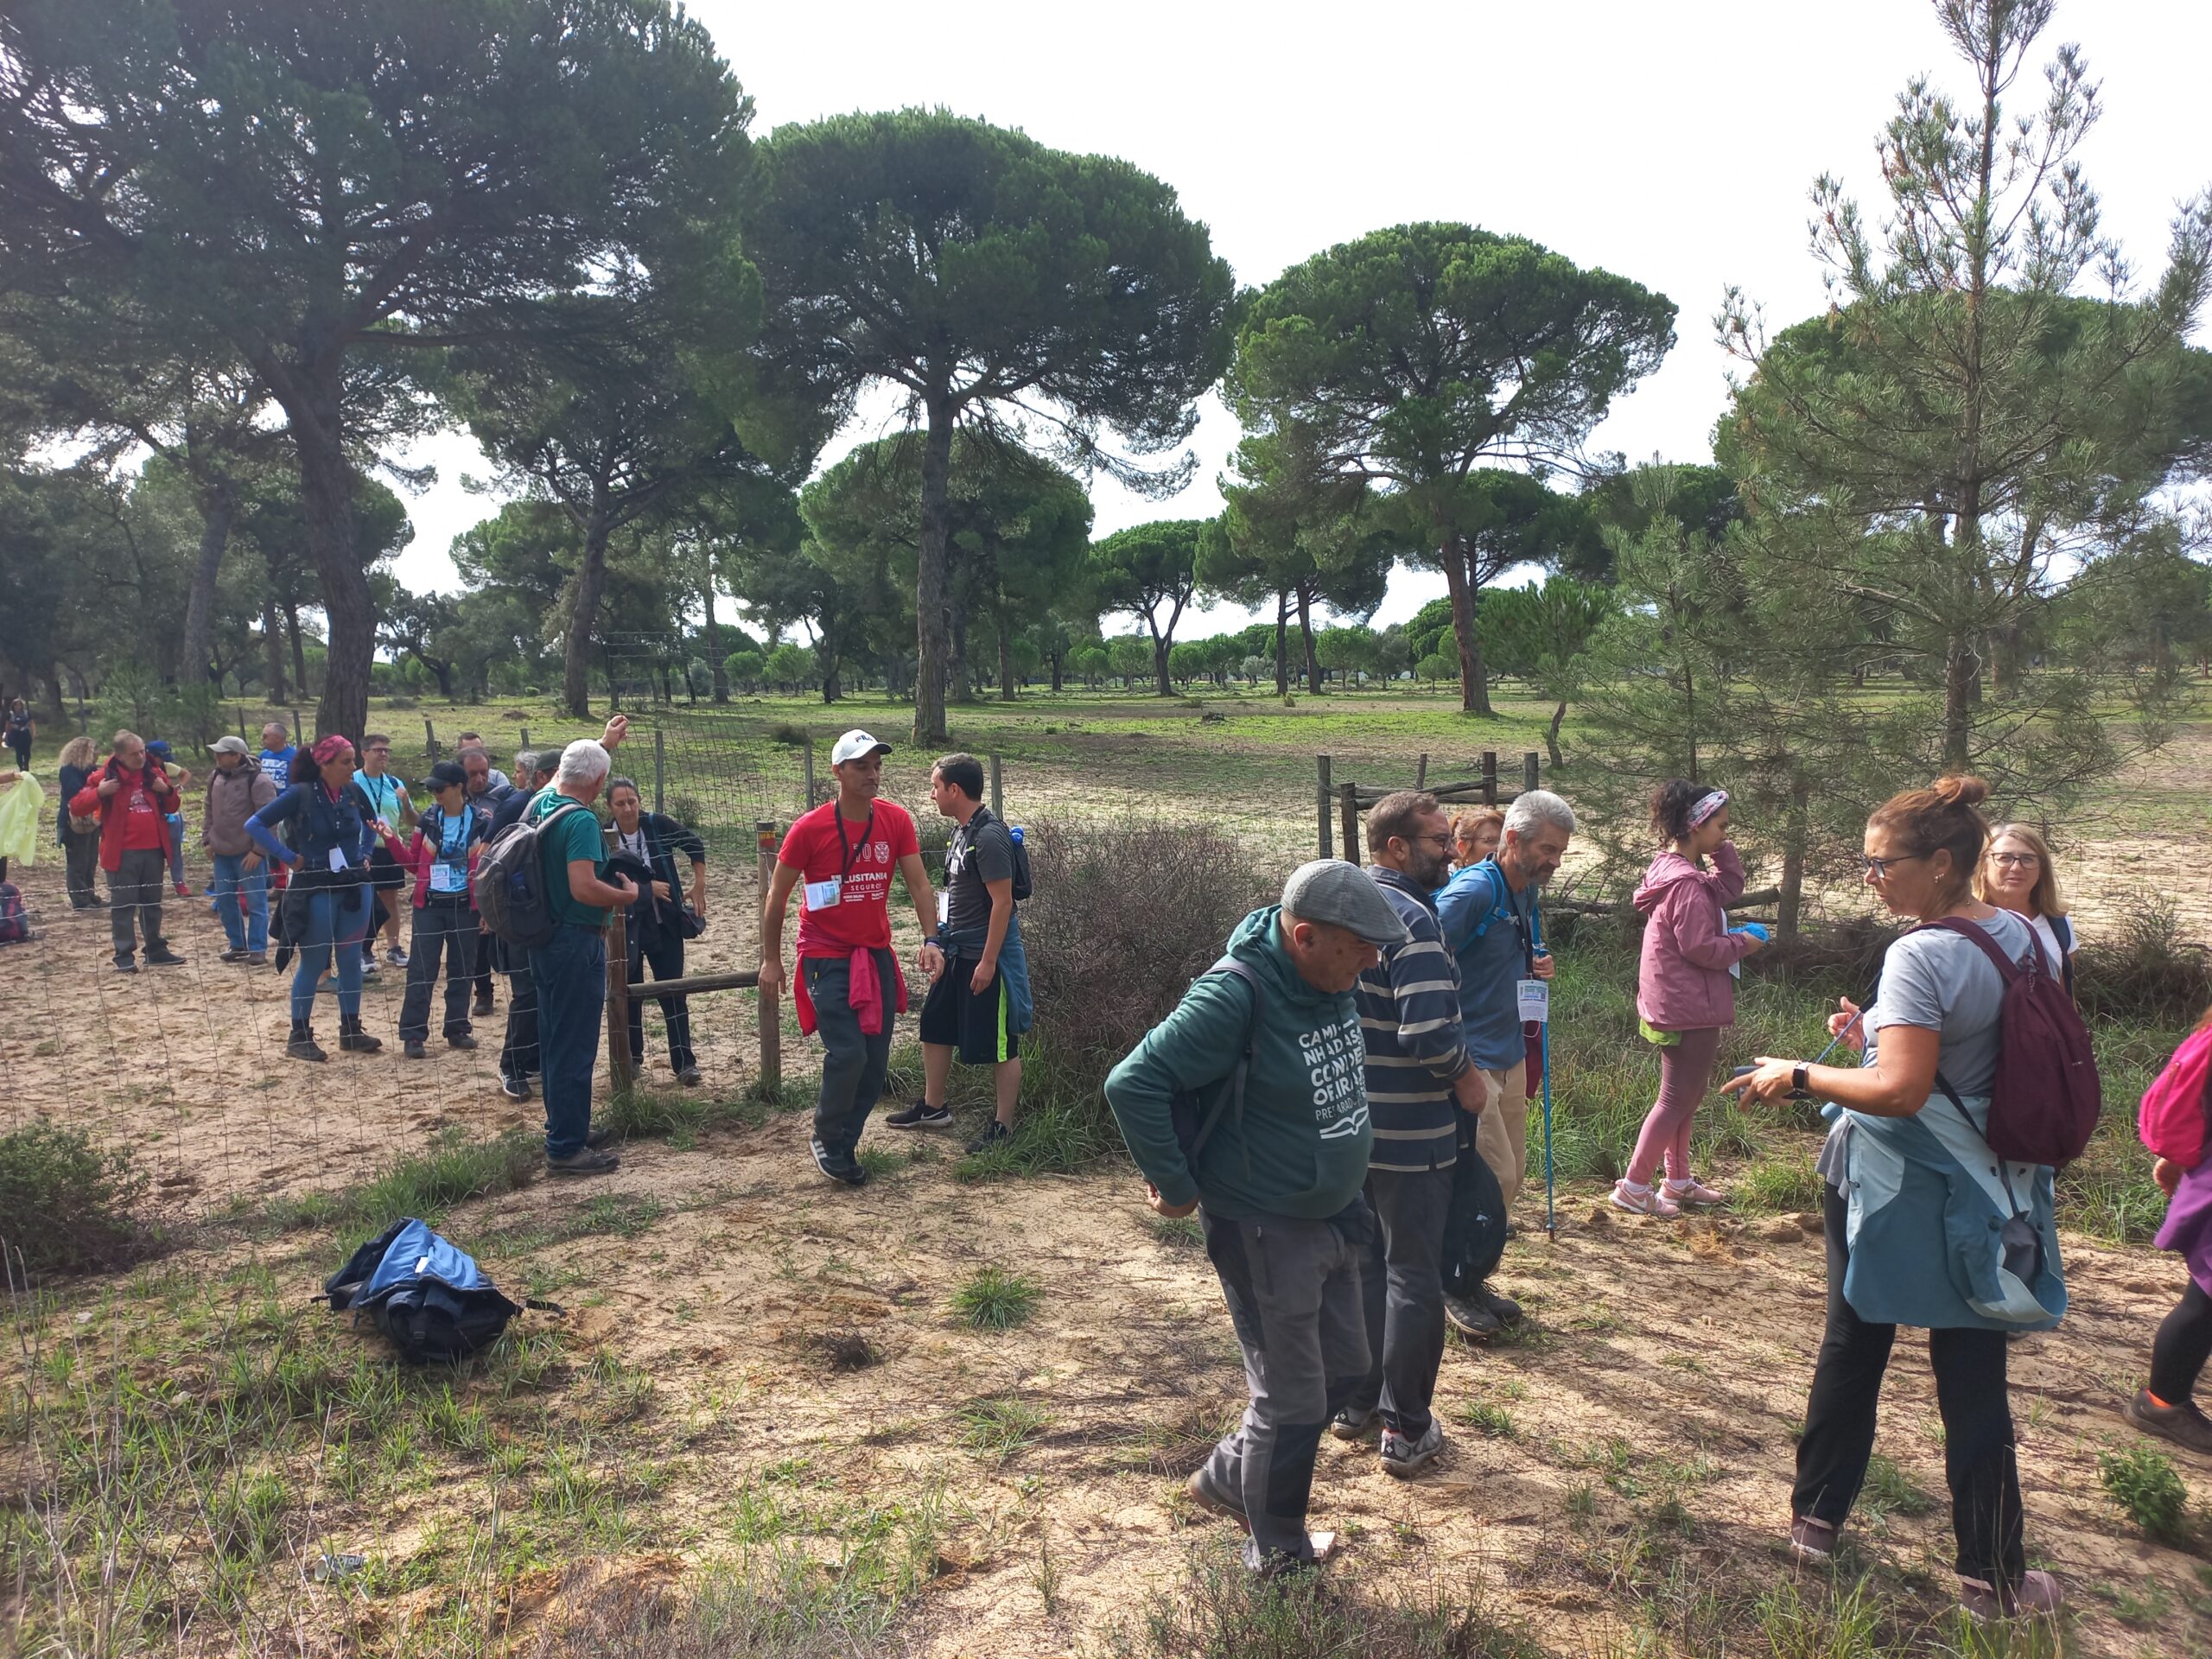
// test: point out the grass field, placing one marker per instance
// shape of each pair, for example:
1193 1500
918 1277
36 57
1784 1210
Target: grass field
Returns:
950 1414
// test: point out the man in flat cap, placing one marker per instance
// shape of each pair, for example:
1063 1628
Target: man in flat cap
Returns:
1248 1103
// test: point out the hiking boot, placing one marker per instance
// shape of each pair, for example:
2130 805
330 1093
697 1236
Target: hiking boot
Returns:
1404 1455
1352 1424
2036 1595
353 1038
1504 1309
689 1075
584 1161
597 1137
1811 1539
460 1040
515 1088
158 955
1470 1319
1204 1495
483 1005
236 953
125 965
2183 1424
413 1049
303 1045
256 959
921 1115
993 1132
839 1166
1649 1201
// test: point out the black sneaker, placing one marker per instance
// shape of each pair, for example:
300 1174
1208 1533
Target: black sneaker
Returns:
460 1040
1470 1319
585 1160
921 1115
1354 1425
161 956
413 1049
1504 1309
689 1075
236 953
515 1088
125 965
839 1166
1404 1456
2183 1424
993 1132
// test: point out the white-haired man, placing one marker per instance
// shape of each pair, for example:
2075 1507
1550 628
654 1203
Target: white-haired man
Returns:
1491 922
570 972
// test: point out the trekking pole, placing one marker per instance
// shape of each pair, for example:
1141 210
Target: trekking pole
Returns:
1551 1218
1822 1058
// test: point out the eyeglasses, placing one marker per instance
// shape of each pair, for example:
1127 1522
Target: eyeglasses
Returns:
1443 840
2014 860
1879 868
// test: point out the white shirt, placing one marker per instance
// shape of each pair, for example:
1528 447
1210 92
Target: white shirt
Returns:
2049 934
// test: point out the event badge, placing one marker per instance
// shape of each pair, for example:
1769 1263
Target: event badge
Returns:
1535 999
448 877
822 896
944 908
1735 967
337 859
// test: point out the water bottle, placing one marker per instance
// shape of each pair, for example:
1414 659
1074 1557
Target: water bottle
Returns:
1014 830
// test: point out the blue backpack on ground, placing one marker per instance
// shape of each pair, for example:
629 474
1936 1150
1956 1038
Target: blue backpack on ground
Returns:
425 1293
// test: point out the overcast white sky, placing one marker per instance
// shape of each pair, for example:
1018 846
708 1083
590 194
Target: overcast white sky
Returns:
1672 143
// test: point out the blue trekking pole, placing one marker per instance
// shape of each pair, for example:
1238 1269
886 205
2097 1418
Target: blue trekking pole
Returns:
1551 1221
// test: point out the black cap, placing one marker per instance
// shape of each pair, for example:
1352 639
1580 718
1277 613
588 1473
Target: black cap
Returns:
447 774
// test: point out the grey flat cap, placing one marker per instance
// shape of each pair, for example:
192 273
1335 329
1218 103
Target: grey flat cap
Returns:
1329 890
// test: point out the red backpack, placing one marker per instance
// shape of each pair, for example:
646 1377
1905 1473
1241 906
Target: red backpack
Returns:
2043 1105
2176 1117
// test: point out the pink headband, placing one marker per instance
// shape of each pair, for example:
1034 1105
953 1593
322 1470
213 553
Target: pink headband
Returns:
1705 808
330 748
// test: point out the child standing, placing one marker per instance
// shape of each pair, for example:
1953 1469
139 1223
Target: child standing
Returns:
1686 991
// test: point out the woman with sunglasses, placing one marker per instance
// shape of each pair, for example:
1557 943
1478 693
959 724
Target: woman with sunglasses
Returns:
1685 989
2019 874
1925 1225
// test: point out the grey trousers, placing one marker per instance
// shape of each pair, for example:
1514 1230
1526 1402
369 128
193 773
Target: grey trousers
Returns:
853 1062
1401 1292
1293 1290
134 893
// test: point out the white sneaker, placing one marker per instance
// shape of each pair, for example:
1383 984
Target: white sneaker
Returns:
1650 1201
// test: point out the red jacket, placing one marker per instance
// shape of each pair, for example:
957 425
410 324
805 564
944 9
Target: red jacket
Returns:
1682 982
421 853
86 803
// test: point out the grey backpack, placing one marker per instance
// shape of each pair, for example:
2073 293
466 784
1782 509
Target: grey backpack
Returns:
508 884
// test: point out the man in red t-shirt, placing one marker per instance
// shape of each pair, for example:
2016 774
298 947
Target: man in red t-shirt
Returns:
840 854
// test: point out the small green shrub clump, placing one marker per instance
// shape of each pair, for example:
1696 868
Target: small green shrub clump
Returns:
2148 1491
67 1204
790 735
994 1299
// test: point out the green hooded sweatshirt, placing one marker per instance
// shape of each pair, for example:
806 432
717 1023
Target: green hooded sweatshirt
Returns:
1302 1148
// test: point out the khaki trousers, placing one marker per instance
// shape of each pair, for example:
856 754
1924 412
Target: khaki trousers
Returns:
1502 1132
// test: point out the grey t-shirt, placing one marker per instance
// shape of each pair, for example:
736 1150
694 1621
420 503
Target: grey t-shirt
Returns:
981 851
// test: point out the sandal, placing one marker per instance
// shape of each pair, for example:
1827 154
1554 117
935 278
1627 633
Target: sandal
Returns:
1650 1202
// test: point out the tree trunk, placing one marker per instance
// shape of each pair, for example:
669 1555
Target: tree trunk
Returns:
273 648
1006 661
1306 637
1162 685
959 684
933 571
1959 677
1793 860
1474 689
1551 734
1282 627
715 653
583 617
326 486
216 510
300 663
1059 659
50 705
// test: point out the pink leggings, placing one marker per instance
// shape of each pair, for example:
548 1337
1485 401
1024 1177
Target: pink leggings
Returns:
1685 1073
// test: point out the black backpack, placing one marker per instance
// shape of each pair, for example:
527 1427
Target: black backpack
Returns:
1194 1123
425 1293
510 883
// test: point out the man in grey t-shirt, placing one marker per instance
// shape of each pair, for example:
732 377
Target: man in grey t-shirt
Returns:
970 1008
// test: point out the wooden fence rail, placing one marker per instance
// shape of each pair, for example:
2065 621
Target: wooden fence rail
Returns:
1340 805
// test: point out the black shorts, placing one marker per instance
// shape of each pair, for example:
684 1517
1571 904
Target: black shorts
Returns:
955 1017
385 870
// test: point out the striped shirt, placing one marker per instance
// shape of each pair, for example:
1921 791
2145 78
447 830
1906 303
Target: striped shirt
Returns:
1409 1016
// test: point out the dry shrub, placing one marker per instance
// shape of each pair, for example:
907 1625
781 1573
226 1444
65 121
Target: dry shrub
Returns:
2144 969
1123 916
67 1206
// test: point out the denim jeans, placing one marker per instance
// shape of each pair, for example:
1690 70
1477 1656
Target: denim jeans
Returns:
570 976
336 918
249 931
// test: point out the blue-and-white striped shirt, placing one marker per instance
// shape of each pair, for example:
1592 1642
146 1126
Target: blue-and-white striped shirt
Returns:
1409 1016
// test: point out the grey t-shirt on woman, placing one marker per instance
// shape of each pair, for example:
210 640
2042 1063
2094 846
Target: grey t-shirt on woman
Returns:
1940 982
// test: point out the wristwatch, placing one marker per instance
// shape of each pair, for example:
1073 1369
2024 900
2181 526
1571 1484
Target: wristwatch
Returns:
1797 1082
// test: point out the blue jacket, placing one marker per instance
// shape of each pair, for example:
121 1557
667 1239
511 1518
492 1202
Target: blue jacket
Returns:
1482 919
317 824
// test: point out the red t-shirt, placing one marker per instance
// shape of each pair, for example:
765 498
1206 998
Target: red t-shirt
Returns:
143 829
860 857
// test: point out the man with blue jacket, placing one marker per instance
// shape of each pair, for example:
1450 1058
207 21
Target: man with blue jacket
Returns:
1276 1182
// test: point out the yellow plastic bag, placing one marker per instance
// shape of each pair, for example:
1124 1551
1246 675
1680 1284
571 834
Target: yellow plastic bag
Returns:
23 815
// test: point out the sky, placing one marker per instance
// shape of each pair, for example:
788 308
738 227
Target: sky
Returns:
1672 143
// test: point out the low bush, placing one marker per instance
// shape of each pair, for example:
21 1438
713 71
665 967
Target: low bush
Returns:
65 1204
2144 1485
994 1299
790 735
2145 969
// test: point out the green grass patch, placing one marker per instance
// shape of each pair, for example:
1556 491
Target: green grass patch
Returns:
996 1300
1785 1185
423 1185
2144 1487
998 1429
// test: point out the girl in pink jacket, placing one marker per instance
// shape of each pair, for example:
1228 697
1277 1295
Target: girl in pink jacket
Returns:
1685 992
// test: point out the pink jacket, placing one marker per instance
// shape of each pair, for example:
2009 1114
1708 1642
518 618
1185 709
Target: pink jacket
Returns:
1682 982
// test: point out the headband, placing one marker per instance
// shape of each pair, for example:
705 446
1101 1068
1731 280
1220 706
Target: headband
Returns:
329 748
1706 807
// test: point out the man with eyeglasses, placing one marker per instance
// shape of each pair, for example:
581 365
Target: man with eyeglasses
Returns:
1419 1079
388 800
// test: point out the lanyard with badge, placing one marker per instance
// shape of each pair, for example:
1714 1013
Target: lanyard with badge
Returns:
821 895
450 873
1531 995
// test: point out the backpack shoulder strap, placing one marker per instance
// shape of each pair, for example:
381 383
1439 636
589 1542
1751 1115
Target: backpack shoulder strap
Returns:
2007 969
1231 1094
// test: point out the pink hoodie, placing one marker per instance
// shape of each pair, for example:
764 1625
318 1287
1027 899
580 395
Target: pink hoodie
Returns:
1682 982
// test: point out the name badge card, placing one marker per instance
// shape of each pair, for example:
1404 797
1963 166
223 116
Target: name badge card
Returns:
822 896
448 877
944 909
1534 996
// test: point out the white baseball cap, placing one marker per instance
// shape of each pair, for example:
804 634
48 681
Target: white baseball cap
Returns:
856 744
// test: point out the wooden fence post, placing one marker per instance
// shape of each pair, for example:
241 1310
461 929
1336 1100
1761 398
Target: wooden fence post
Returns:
1421 773
299 732
997 797
1322 794
429 738
1348 812
525 737
618 1001
806 755
1531 777
1490 777
772 1008
660 770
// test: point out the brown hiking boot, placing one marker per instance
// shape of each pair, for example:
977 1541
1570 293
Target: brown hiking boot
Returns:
2183 1424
